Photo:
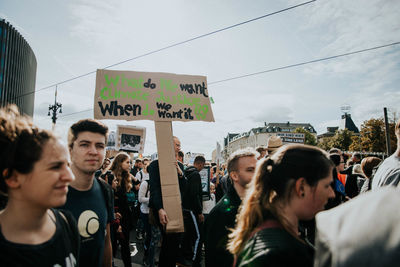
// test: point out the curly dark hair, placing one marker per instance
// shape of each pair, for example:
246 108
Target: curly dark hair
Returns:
21 144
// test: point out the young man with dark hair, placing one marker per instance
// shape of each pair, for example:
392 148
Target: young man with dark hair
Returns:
137 167
89 199
193 217
181 157
241 168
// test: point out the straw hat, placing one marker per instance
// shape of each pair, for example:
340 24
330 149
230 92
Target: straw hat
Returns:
274 142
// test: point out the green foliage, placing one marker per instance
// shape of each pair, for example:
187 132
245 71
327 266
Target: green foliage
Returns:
324 143
309 137
373 138
342 139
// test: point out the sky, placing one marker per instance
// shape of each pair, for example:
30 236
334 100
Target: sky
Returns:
72 38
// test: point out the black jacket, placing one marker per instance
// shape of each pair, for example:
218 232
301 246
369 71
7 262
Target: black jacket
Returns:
192 198
155 201
275 247
216 229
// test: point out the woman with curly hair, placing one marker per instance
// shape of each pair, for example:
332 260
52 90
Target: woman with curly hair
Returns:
291 185
34 177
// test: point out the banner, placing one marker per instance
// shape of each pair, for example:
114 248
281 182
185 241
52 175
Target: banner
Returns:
130 95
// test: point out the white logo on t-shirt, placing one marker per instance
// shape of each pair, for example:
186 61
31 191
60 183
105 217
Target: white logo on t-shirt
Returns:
69 261
88 223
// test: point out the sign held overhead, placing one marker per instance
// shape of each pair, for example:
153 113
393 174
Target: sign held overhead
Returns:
130 95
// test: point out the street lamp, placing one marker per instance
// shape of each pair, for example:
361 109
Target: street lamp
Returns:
53 110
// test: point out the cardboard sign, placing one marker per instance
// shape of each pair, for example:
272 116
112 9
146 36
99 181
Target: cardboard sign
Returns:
131 138
205 175
169 177
111 141
129 95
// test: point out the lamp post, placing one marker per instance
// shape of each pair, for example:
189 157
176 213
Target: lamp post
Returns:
53 110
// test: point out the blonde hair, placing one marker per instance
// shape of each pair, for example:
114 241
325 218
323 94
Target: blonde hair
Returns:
271 188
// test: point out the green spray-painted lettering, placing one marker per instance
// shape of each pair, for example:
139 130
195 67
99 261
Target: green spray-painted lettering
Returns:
124 82
168 85
107 93
200 111
177 99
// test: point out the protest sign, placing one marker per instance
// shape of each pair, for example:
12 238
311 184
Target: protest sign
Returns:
163 98
205 174
129 95
111 141
131 138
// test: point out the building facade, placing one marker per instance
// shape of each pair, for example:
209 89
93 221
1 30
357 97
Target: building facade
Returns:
259 136
17 69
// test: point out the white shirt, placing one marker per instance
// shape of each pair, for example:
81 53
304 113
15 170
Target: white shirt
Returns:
143 199
141 176
208 205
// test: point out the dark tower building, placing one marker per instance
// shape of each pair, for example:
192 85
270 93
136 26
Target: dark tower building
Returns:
17 69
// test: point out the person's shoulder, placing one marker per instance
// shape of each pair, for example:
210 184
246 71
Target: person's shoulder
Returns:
103 184
153 164
224 206
275 246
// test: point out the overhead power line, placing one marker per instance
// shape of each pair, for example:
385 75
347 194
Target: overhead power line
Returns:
283 67
304 63
170 46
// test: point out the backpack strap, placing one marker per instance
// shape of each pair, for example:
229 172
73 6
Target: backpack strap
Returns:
108 195
148 188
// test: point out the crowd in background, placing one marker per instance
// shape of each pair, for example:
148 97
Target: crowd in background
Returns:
260 210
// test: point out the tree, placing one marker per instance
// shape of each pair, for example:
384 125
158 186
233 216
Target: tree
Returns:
324 143
372 136
342 139
309 137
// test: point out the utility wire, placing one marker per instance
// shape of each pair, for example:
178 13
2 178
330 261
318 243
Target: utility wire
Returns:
170 46
304 63
284 67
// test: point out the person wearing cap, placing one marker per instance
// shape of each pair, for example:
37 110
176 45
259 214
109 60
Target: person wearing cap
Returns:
274 142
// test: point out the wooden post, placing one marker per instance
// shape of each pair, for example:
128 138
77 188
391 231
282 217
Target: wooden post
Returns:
171 196
387 133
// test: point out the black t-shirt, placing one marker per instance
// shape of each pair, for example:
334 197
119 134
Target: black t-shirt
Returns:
62 250
90 210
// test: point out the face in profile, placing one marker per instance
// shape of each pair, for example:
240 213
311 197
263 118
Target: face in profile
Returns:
126 165
177 145
316 197
47 184
246 167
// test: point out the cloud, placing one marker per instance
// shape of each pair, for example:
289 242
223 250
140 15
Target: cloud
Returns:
345 26
273 114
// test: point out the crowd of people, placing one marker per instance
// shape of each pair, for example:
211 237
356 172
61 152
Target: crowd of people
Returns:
278 205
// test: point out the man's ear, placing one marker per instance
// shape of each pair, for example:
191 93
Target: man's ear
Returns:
300 187
234 176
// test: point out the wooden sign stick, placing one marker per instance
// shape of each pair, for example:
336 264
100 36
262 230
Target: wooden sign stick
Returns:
171 196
